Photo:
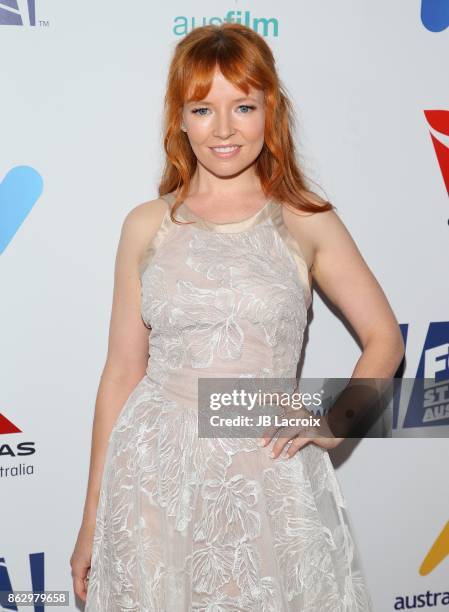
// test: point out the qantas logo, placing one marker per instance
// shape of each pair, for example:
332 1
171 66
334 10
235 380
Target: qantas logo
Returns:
20 449
438 121
7 426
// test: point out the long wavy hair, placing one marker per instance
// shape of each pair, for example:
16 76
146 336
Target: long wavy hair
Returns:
245 60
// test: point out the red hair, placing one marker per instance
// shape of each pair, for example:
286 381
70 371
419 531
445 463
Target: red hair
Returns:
245 59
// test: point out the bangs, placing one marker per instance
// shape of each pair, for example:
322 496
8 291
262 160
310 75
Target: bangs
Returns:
232 61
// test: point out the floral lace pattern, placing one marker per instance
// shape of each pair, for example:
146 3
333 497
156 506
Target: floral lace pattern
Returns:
214 524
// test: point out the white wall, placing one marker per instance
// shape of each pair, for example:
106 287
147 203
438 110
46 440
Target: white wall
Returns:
81 105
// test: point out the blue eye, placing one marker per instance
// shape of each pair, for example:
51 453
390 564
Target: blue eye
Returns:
250 106
196 110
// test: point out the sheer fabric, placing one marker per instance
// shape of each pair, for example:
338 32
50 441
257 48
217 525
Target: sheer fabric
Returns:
214 524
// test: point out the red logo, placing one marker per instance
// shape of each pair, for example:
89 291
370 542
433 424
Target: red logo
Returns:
439 121
7 427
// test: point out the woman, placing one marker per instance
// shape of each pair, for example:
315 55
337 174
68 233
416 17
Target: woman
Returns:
215 278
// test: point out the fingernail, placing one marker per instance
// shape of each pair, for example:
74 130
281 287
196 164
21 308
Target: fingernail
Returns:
261 442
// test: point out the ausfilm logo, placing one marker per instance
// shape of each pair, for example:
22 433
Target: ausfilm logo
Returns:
18 12
14 450
265 26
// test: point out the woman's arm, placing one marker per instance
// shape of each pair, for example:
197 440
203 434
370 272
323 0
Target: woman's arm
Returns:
342 273
338 268
126 362
127 354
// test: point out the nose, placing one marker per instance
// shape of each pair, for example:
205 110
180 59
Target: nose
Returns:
223 127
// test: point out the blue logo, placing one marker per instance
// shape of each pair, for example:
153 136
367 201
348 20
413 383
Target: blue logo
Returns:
36 565
435 14
396 396
19 191
428 405
10 13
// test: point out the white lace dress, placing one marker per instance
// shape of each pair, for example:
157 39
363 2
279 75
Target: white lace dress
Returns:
186 523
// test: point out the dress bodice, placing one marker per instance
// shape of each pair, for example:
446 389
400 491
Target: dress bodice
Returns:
223 299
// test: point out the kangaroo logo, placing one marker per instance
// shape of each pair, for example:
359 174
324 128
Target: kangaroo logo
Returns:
438 120
7 426
438 551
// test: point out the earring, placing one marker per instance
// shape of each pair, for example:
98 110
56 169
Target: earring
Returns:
183 128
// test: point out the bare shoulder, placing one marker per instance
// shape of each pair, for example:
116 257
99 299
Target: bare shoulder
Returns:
146 217
142 222
311 230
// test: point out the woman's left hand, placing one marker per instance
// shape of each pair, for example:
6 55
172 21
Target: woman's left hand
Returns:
298 436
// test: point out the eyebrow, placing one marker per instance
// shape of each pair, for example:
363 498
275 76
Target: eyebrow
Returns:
210 103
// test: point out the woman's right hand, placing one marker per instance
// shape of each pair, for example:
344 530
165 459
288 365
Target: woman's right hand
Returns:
80 560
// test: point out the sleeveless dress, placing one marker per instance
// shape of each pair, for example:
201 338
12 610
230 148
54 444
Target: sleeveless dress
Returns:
186 523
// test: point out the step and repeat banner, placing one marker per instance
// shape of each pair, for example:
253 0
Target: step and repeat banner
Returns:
82 86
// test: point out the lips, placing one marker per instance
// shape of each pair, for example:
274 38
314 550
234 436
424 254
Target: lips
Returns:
225 151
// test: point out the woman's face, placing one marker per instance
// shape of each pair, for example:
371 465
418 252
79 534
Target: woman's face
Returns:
226 130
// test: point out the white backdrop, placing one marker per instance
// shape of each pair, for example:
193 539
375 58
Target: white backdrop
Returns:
81 144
